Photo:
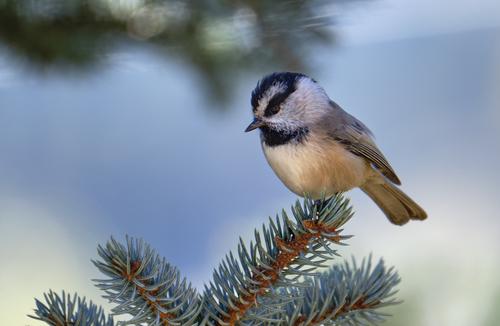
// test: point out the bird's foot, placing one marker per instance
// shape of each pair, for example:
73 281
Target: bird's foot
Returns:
319 203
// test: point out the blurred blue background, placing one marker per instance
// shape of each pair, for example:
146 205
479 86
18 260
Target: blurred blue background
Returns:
141 146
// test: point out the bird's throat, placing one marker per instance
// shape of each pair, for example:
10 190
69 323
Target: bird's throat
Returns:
273 137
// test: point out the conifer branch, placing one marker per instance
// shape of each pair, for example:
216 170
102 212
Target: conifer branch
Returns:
344 295
273 280
145 285
65 310
286 251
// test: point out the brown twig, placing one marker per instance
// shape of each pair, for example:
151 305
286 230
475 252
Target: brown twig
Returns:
147 295
346 308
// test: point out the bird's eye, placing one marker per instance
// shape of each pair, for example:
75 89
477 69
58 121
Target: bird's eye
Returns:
275 104
275 109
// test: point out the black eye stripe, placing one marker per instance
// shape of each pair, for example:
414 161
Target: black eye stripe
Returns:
274 103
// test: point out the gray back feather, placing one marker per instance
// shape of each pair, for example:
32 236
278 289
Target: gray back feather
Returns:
357 138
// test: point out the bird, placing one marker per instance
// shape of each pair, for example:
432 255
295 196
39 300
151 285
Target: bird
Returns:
318 150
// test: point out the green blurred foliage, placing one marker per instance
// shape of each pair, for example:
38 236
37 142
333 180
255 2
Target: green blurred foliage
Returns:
407 313
218 38
493 314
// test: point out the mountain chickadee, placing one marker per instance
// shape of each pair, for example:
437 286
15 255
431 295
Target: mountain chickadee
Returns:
317 149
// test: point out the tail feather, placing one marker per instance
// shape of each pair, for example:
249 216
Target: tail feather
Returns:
396 205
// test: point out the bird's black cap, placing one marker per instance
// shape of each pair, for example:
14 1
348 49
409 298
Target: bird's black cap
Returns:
287 79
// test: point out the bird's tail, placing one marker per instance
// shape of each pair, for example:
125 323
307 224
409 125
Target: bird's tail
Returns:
396 205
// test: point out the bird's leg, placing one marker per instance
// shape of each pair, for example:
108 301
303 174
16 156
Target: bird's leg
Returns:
319 204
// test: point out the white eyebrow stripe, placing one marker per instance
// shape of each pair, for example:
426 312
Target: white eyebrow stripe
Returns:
270 93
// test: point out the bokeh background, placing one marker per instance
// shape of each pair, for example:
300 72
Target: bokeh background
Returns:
127 117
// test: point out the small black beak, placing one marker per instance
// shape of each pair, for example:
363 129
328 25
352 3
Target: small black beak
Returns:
256 123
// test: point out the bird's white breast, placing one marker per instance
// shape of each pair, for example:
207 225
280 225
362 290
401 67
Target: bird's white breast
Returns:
317 168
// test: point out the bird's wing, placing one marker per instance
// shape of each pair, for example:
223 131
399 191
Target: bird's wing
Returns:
357 139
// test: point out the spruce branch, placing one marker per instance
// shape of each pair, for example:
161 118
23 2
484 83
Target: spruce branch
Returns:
286 251
145 285
273 280
343 295
65 310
